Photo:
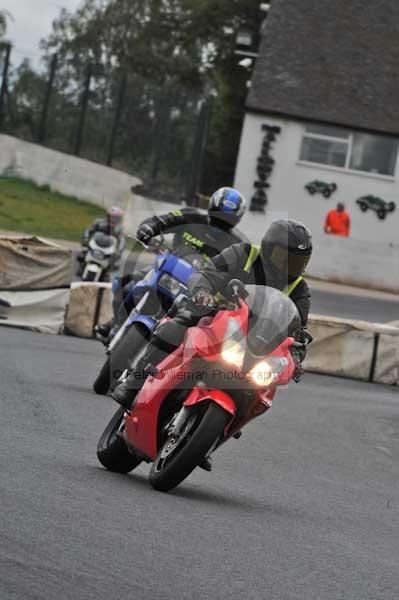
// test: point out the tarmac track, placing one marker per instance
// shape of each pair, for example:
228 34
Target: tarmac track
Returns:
305 506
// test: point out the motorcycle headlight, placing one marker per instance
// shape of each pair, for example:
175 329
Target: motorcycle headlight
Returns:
233 348
263 374
172 285
98 254
267 372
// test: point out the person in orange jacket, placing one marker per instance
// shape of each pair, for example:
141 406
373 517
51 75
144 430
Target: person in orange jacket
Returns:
338 221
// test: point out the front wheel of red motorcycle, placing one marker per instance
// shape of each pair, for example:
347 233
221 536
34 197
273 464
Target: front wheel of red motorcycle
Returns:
112 451
179 456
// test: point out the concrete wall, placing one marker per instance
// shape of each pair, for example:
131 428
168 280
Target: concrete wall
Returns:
371 256
356 262
64 173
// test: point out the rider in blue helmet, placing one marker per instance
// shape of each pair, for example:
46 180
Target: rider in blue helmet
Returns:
195 233
225 209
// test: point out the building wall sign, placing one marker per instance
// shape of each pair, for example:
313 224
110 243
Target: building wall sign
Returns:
288 196
264 169
321 187
376 204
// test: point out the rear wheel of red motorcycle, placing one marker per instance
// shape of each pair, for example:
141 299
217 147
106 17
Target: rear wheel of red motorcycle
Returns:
112 451
173 464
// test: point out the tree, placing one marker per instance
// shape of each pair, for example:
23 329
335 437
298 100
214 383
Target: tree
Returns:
25 102
182 46
3 23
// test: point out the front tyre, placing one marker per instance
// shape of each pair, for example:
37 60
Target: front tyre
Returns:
178 457
112 451
102 383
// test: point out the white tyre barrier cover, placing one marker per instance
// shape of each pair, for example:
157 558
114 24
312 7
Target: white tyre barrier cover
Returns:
33 263
387 362
354 349
35 275
42 311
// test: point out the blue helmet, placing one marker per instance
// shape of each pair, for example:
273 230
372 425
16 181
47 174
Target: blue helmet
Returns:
226 207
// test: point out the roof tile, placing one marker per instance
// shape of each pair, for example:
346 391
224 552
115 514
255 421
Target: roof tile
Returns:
329 61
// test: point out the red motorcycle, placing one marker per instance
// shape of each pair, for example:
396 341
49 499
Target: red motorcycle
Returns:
224 375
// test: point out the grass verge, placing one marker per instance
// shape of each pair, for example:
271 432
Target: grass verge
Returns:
28 208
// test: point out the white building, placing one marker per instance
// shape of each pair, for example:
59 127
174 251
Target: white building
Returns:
324 106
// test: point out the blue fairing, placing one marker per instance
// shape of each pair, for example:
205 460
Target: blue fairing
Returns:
148 322
167 264
179 268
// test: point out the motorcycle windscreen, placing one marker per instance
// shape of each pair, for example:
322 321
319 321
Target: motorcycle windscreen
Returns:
103 240
273 318
187 253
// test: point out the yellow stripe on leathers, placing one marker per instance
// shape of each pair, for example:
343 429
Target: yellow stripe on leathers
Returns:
288 290
253 255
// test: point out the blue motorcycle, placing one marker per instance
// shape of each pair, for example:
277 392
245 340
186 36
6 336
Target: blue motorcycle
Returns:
151 298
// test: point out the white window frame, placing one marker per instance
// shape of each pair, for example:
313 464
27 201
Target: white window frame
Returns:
345 168
349 154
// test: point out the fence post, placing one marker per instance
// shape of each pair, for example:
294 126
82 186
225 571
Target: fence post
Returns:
121 96
83 110
43 121
198 153
4 81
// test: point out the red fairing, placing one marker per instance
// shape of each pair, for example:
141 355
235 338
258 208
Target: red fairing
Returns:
203 340
206 340
218 396
142 423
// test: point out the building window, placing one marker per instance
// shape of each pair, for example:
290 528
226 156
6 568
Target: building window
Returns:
374 153
356 151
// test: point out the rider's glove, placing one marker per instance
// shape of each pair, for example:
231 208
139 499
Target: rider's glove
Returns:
298 353
204 298
304 337
298 373
144 233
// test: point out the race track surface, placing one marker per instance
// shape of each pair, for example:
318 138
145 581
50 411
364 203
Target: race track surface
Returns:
305 506
347 306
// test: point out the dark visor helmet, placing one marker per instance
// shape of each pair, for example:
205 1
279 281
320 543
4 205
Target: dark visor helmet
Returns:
226 207
287 247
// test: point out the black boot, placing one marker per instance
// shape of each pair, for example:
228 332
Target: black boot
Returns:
126 391
103 330
206 464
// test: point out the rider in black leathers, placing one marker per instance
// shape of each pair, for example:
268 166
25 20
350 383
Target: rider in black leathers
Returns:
279 262
110 225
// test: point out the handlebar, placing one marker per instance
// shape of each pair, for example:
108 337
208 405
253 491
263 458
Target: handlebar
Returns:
236 289
153 246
